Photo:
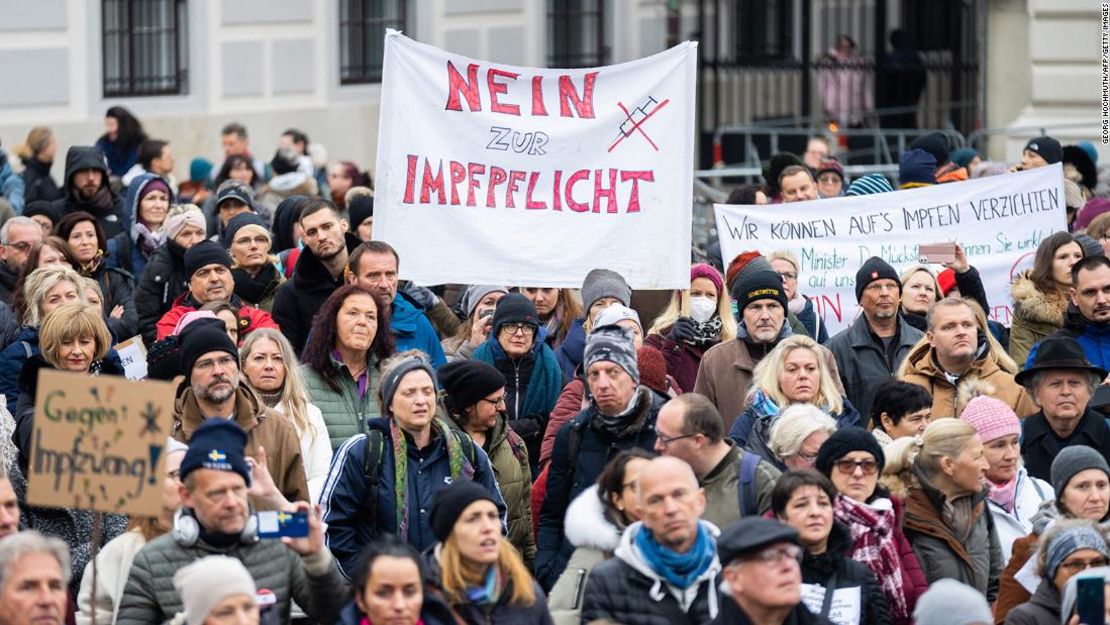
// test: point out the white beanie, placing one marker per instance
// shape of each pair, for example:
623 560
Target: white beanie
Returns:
208 581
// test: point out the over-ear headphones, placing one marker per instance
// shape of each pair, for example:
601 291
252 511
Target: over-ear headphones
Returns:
186 529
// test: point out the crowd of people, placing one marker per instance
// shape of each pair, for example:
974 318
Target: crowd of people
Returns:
532 455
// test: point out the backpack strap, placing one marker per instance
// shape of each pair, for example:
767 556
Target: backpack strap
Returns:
467 443
746 484
372 471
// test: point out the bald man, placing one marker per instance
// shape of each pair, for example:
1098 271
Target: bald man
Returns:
671 505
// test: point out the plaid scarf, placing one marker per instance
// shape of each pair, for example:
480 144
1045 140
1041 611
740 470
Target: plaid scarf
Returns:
876 548
458 464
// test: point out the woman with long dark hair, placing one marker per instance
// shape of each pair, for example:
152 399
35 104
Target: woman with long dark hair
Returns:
389 588
121 139
350 339
86 240
1041 294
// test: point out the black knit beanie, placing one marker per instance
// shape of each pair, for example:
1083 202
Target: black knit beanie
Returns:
843 442
514 308
206 338
873 269
449 503
203 254
466 382
756 285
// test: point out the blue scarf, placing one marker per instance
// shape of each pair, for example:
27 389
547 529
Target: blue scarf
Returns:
679 569
547 378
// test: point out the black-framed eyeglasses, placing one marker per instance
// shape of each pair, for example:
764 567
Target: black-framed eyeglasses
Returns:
1079 565
667 440
524 328
22 246
496 402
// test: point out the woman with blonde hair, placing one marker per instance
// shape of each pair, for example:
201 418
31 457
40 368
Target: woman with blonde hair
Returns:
271 369
558 309
793 373
786 264
695 320
947 520
37 153
920 290
45 289
481 575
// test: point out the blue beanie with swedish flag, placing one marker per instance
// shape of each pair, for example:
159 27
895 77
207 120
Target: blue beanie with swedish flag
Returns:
218 444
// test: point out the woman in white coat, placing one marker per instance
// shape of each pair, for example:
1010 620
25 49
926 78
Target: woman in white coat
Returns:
1015 496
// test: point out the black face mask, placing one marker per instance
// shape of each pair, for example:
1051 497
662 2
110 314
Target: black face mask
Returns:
219 540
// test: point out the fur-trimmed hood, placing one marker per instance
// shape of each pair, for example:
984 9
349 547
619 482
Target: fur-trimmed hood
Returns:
586 525
1033 304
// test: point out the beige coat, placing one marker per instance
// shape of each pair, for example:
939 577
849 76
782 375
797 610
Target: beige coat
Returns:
1036 315
984 377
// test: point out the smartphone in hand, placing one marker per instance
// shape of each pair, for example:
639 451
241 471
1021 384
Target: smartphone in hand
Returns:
936 253
1091 600
279 524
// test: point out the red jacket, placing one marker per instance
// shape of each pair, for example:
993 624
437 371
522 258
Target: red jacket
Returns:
250 317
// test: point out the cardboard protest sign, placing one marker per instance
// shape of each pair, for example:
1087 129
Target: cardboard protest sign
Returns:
97 443
132 355
497 174
998 220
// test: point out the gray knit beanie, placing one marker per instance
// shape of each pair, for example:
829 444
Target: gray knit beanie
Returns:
475 293
613 344
601 283
206 582
1072 460
948 602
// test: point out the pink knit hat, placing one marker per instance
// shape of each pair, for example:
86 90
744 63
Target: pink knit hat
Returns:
992 418
702 270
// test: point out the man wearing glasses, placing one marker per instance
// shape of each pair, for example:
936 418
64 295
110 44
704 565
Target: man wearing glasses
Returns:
16 238
690 428
762 574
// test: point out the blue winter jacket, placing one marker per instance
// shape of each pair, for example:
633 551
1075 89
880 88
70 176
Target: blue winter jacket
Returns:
571 349
413 330
1093 337
11 363
11 185
343 500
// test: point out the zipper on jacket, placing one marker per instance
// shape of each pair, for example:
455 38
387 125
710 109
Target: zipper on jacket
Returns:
516 395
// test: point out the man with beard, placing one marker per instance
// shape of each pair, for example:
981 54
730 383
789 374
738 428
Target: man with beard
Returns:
870 350
319 270
1088 317
373 266
86 189
209 269
214 389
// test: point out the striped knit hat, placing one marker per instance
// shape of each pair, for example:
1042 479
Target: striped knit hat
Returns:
870 184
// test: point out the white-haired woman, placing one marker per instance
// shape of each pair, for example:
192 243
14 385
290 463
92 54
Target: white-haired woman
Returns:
272 370
797 435
793 373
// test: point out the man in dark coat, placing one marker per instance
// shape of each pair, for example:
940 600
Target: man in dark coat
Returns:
319 271
1061 381
86 189
16 238
586 444
636 586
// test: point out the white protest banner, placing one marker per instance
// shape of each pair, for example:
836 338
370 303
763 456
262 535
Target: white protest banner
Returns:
998 220
496 174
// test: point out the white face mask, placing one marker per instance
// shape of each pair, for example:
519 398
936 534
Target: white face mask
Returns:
702 308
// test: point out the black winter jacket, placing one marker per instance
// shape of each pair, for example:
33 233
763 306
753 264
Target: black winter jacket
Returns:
38 184
119 289
112 216
565 482
162 281
732 614
300 297
501 613
7 282
1040 444
819 570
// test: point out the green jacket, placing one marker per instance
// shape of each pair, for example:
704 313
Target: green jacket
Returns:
722 491
509 458
345 413
314 583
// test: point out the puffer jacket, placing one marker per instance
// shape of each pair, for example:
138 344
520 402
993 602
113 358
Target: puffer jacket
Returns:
1093 337
1036 315
264 428
975 559
509 457
502 612
118 287
314 582
250 318
920 367
302 295
594 539
1029 494
112 214
861 362
413 330
1043 608
163 280
752 429
12 359
344 503
836 563
624 589
345 412
565 481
